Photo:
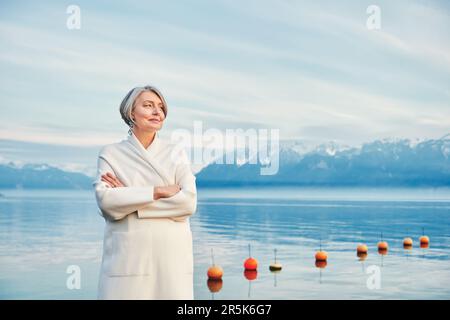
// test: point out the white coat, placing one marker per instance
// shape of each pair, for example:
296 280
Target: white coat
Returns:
147 246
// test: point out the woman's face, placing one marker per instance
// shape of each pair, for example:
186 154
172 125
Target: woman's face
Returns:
148 112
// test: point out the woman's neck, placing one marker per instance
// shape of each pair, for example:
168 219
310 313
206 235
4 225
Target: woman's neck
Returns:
146 138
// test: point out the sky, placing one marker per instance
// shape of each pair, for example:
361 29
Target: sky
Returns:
311 69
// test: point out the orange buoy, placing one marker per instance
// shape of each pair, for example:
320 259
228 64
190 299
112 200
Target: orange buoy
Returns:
214 272
250 263
275 266
382 245
321 256
361 249
424 239
407 243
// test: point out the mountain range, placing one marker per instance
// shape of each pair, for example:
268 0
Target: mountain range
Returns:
385 162
388 162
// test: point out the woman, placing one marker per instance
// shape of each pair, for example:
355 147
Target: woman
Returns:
146 192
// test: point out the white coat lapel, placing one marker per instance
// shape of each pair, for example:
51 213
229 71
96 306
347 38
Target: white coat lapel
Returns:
148 156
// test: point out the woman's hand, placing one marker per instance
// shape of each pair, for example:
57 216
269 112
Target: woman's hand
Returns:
158 192
111 180
165 192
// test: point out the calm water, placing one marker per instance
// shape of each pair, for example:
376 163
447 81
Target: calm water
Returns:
43 232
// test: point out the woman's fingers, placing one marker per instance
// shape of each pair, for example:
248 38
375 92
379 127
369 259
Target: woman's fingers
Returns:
166 191
108 181
116 181
174 189
112 180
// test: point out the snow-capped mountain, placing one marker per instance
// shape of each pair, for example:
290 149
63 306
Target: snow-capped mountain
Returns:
390 162
387 162
40 176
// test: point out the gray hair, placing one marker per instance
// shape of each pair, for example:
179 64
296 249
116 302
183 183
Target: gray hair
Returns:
127 105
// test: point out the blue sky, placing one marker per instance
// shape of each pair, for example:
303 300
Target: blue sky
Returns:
310 68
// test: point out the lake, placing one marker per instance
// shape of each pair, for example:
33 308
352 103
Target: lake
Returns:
42 232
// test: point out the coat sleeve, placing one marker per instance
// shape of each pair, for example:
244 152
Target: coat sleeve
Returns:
181 205
117 203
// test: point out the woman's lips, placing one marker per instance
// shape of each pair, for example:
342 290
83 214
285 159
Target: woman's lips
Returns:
154 120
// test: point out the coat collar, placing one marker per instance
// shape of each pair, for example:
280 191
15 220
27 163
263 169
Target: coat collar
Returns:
152 148
149 155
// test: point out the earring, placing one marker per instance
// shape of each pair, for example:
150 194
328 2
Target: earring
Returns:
131 127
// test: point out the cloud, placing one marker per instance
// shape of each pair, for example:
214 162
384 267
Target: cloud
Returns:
285 65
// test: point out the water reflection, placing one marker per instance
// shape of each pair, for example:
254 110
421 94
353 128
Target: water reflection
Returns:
321 264
295 229
362 256
275 272
41 233
250 275
214 286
